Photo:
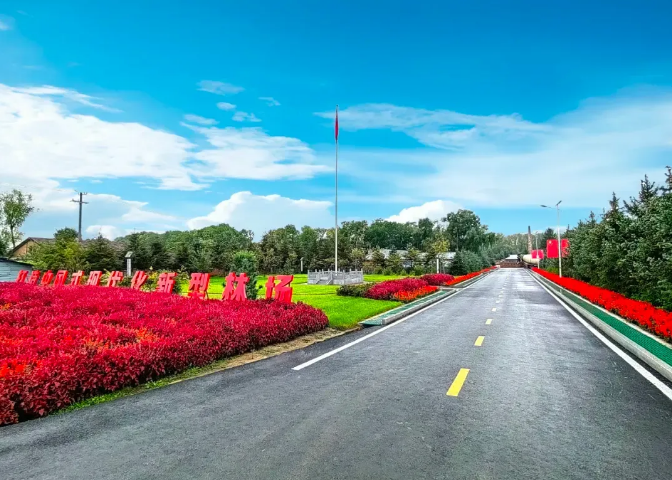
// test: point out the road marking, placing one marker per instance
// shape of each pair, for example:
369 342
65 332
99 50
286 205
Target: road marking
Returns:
380 330
494 309
488 321
497 301
456 386
665 390
479 341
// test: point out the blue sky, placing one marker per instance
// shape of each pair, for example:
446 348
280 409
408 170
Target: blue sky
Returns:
182 114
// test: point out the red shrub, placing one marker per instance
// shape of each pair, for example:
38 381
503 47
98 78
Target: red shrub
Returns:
409 296
656 320
385 290
60 345
463 278
438 279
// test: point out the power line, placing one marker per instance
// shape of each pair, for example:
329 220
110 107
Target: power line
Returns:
81 202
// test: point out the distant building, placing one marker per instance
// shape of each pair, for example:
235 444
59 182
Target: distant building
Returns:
9 269
22 249
512 261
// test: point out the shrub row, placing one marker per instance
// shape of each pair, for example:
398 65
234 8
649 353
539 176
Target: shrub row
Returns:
656 320
438 279
468 276
358 290
59 345
410 295
385 290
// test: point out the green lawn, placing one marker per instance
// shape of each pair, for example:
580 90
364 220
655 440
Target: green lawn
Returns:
343 312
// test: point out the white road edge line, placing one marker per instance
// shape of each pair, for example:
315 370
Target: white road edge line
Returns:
665 390
380 330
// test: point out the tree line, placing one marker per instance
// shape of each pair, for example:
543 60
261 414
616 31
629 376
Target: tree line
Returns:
413 246
629 248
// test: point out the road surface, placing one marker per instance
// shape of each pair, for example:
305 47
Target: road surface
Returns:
543 398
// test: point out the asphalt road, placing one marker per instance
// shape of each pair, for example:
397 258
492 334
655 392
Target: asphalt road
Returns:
543 399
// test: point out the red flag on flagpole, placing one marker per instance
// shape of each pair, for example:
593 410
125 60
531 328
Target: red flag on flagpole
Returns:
336 125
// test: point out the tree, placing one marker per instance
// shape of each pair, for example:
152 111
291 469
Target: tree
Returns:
358 256
16 206
412 256
464 230
100 255
378 258
395 263
65 253
246 262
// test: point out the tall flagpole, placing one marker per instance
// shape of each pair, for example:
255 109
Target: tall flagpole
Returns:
336 209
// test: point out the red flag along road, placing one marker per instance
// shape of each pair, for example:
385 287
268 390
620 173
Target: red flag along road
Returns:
552 248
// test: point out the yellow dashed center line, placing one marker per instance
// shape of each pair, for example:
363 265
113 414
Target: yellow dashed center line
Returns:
479 341
488 321
456 386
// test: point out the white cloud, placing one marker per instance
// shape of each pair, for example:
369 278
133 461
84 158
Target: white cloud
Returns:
72 95
200 120
502 161
225 106
251 153
108 231
270 101
219 88
262 213
245 117
434 210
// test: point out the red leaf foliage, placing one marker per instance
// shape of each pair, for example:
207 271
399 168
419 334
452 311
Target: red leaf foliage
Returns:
410 295
385 290
61 345
437 279
656 320
468 276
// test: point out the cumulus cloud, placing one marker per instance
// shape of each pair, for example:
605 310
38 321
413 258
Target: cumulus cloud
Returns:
262 213
226 106
219 88
605 145
200 120
108 231
251 153
270 101
434 210
245 117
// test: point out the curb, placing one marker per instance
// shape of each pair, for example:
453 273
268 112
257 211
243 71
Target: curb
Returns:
651 350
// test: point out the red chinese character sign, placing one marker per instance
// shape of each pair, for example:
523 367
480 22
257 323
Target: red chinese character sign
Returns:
198 285
47 277
282 291
76 278
22 276
61 277
166 282
235 287
34 277
138 280
94 278
115 278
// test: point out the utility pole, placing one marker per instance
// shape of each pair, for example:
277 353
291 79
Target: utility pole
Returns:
81 202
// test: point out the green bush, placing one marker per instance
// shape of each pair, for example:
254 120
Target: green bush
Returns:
354 290
378 271
246 261
388 271
418 271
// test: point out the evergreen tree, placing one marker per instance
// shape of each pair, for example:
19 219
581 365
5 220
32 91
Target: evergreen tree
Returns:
100 255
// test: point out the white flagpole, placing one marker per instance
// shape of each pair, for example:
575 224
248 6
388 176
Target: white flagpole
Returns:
336 209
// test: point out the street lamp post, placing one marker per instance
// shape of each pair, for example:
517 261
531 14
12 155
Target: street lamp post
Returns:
557 207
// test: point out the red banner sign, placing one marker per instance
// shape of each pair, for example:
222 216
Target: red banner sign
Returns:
552 248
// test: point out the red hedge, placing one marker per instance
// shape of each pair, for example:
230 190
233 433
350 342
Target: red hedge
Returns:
385 290
463 278
60 345
409 296
656 320
437 279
